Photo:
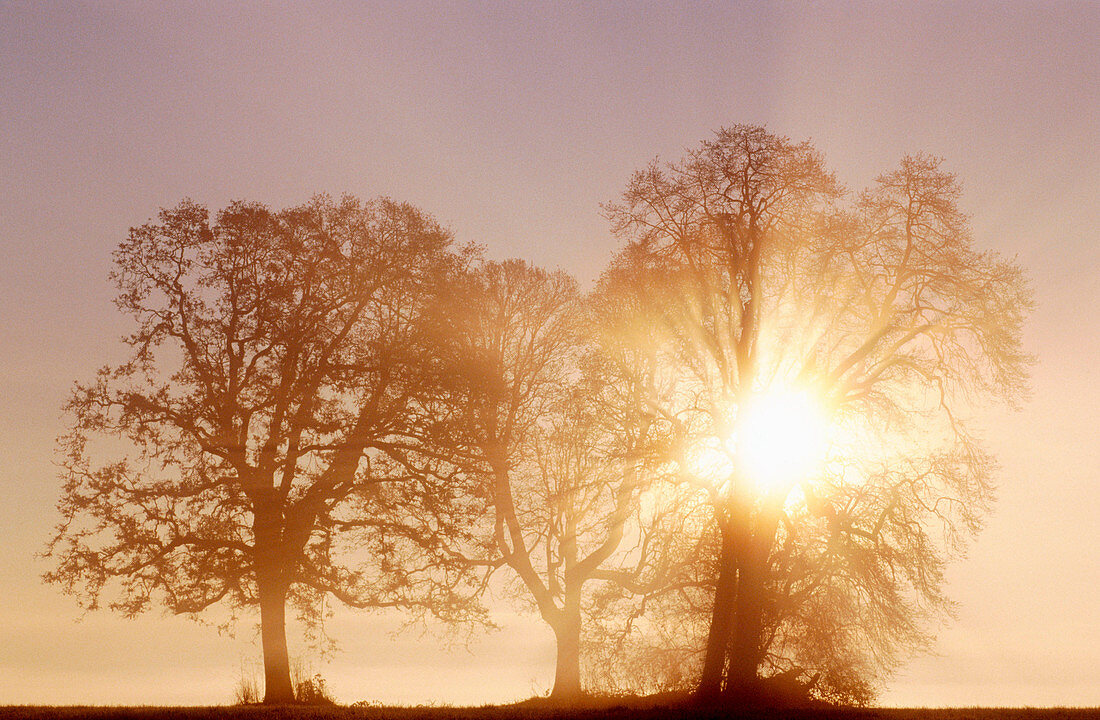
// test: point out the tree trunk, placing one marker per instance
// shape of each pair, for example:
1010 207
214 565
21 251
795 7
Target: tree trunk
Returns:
567 672
277 685
721 618
272 586
746 651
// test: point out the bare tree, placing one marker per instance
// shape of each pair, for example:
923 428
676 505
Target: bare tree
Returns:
561 467
273 397
882 311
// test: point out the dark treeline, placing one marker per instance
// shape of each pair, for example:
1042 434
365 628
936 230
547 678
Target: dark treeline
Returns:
339 401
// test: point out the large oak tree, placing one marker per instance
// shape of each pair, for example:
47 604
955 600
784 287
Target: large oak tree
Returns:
260 444
760 279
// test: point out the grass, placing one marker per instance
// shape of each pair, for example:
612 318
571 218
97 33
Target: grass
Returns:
532 711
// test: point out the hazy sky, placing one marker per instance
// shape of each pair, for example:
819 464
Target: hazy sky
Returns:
511 122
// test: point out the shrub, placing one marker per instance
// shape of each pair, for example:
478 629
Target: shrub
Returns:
248 691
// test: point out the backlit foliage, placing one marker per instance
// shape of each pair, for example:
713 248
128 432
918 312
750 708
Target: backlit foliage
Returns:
757 276
739 464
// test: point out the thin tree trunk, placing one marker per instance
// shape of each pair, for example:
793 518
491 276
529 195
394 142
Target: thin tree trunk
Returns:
721 618
567 672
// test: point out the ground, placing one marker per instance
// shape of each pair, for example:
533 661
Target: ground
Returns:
530 712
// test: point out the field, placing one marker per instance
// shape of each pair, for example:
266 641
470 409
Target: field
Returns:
527 712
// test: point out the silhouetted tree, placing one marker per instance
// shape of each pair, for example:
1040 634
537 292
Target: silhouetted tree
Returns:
272 399
561 467
762 280
640 618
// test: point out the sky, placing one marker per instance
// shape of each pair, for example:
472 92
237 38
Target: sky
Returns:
511 123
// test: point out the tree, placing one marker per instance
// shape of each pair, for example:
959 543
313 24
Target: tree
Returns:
532 421
879 313
272 398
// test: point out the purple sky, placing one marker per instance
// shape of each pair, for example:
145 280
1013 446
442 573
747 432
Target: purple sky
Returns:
511 123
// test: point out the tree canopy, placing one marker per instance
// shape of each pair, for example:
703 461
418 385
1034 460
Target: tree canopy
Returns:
745 455
265 428
761 282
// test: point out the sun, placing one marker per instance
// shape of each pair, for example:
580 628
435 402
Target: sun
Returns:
777 440
781 439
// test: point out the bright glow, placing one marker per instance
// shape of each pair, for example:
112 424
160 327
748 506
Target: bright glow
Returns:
712 461
781 439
